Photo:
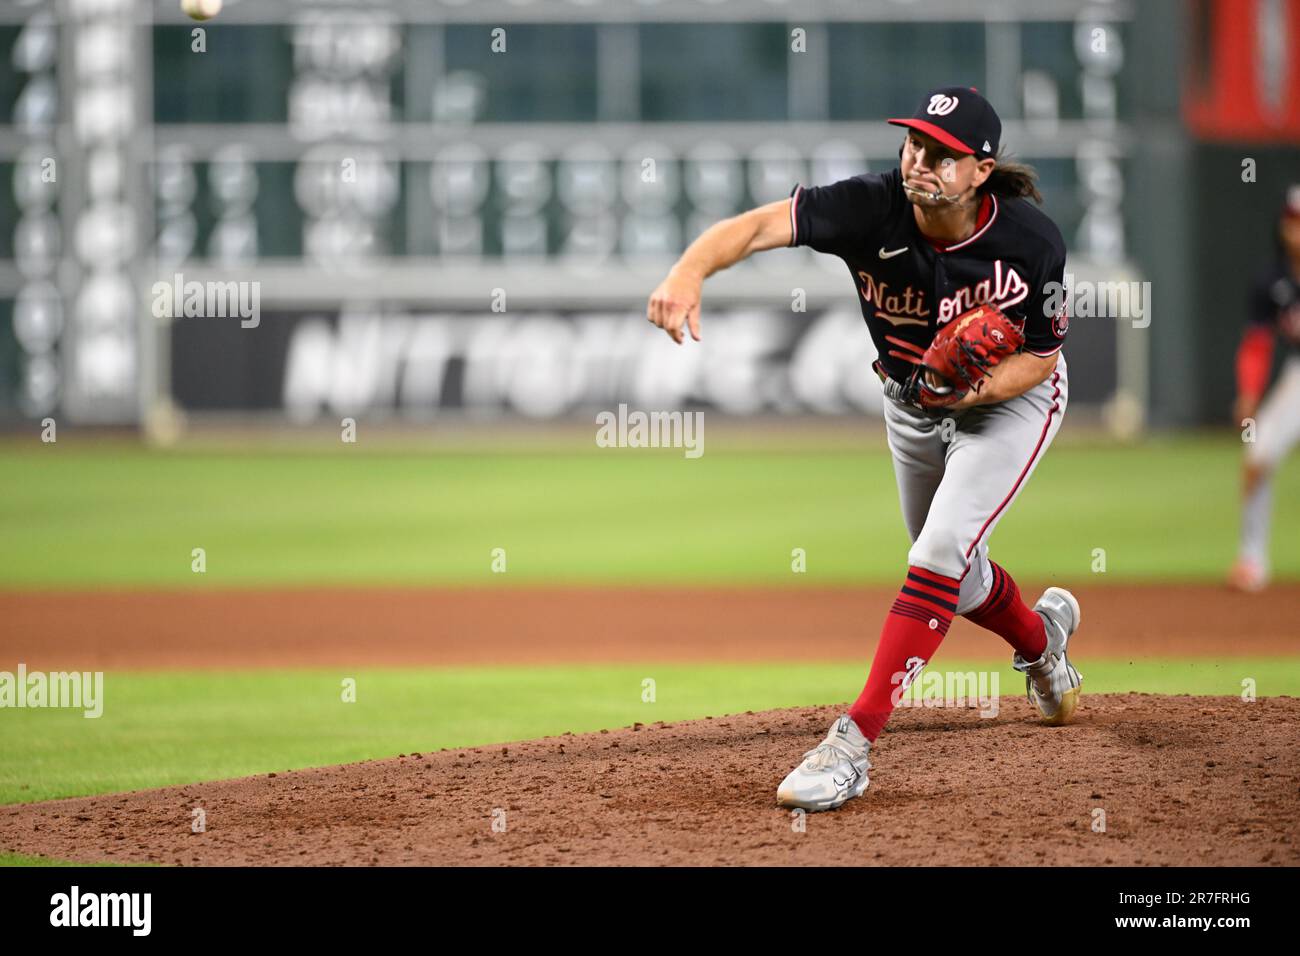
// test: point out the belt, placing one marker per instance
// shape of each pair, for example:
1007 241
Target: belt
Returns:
894 389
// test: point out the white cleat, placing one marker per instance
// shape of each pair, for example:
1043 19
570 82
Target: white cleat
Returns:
1051 682
1247 576
832 772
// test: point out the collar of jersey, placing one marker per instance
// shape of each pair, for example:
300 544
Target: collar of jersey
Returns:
988 211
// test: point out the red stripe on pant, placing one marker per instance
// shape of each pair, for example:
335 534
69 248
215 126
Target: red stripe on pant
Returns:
913 630
1042 437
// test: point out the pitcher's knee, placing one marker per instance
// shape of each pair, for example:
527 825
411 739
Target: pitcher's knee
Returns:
939 551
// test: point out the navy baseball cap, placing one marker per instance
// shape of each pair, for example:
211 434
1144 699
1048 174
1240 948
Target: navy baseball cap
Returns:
958 117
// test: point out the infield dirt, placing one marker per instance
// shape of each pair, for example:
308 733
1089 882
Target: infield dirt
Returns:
1173 781
379 627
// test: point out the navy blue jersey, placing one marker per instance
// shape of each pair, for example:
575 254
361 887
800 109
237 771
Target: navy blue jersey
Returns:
908 286
1275 303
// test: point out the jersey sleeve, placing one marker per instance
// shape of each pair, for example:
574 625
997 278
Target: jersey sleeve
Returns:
835 217
1254 360
1255 353
1048 314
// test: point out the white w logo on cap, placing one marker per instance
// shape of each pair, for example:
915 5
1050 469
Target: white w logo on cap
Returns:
941 105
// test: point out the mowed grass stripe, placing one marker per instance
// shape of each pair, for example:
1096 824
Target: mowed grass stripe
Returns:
123 516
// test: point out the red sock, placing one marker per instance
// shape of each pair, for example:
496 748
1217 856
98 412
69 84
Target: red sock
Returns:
913 631
1004 613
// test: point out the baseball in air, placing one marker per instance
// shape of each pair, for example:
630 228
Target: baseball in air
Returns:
201 9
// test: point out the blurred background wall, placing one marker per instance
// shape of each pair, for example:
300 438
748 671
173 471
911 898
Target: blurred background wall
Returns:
456 211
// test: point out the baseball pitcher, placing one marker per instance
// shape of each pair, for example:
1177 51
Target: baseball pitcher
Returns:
952 264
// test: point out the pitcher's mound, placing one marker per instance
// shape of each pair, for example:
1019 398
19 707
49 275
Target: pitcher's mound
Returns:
1138 779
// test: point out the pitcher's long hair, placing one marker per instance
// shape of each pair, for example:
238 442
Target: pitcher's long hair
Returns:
1012 179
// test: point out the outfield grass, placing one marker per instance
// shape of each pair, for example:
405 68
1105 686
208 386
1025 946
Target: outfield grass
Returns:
120 515
160 729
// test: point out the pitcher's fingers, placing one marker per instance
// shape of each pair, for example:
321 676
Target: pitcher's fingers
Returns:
693 320
665 318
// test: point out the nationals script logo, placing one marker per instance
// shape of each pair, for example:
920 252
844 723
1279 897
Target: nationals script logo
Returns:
899 308
1003 289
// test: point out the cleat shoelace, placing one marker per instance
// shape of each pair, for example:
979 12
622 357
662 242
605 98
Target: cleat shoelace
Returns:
825 756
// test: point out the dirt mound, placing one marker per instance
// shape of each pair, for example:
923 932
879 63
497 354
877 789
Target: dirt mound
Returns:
1181 780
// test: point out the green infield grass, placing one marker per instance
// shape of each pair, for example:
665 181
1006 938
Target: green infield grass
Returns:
117 515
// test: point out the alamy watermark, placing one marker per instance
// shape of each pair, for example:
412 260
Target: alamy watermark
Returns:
639 429
75 908
72 689
1101 300
213 300
946 688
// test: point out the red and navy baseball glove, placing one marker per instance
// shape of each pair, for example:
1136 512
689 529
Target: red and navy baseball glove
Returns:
962 356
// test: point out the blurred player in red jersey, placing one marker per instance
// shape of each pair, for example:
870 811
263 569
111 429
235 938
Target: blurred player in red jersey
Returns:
1274 311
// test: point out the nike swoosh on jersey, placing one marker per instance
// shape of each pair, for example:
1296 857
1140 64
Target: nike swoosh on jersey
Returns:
891 254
